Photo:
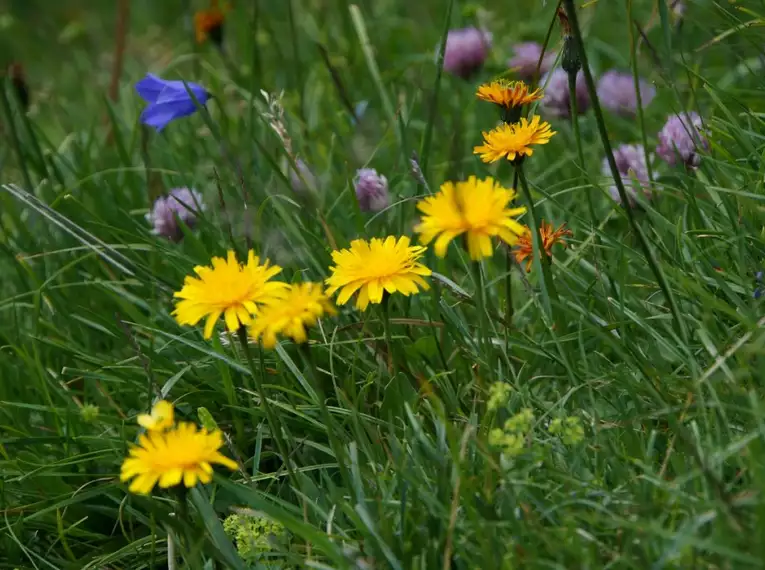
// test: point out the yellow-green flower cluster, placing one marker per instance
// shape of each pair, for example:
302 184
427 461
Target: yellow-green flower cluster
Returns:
499 394
570 430
512 436
253 535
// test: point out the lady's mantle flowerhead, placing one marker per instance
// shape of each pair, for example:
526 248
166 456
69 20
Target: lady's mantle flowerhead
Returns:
466 50
549 235
371 190
508 94
514 141
499 394
173 455
180 204
254 536
526 58
168 100
631 164
681 138
476 208
229 289
616 92
556 101
209 23
376 267
162 417
302 306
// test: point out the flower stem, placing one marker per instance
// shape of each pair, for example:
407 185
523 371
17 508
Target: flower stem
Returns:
273 420
642 239
329 422
484 342
574 105
388 335
540 261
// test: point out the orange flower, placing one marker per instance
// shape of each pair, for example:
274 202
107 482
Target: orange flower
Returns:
524 249
209 23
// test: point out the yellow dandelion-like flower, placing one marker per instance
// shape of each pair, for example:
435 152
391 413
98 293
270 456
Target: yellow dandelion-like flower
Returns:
377 266
208 22
228 288
184 454
477 208
515 140
301 307
161 418
525 250
508 94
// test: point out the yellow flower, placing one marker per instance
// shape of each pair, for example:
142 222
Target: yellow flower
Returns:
161 418
514 141
371 267
208 22
477 208
183 454
302 306
508 94
228 288
550 237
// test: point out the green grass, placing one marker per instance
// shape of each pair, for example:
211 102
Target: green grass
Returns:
397 471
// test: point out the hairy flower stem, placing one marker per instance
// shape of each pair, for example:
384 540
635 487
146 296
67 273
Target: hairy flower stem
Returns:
541 262
329 422
642 240
385 306
484 341
579 146
509 264
273 420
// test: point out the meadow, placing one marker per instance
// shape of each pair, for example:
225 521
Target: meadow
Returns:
384 284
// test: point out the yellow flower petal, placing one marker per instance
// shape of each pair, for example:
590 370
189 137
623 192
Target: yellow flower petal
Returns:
367 266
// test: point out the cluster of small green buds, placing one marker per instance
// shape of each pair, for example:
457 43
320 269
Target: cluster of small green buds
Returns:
499 394
253 535
570 430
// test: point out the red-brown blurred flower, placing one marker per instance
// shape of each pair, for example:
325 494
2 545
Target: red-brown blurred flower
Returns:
209 23
19 84
524 249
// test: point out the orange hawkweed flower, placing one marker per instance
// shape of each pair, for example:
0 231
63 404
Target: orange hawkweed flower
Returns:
524 250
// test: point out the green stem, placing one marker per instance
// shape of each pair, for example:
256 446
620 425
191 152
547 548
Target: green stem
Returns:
540 261
484 341
329 422
273 420
388 334
574 106
642 239
636 77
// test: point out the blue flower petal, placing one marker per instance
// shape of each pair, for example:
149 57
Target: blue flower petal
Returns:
150 87
173 94
158 116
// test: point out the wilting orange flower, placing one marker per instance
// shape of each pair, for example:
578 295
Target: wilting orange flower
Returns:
524 249
209 23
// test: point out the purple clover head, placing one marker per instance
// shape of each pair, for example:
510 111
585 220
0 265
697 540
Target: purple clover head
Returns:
681 138
526 57
180 204
633 170
371 190
465 51
168 100
616 92
556 100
